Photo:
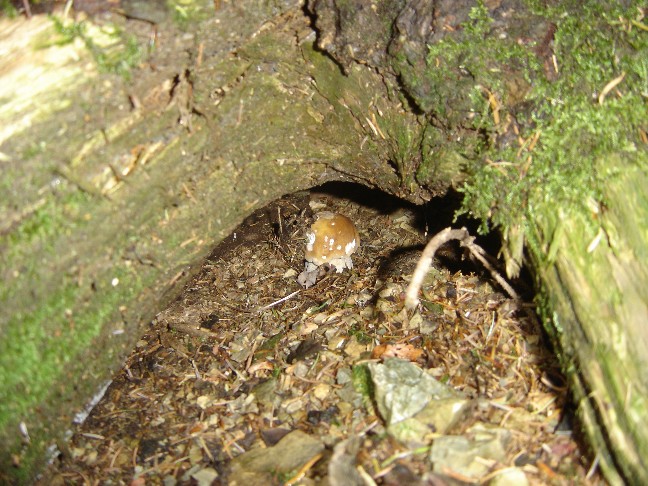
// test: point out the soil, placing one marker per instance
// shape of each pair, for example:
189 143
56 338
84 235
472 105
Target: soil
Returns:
246 356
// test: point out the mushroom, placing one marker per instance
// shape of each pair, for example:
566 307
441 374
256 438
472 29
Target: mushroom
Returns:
330 242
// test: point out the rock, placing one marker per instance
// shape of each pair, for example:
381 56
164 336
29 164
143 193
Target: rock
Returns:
260 466
342 468
465 454
512 476
402 389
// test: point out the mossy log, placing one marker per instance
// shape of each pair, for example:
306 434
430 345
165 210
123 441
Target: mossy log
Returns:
116 188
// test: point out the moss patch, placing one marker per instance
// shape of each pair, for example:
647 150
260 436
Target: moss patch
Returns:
570 126
188 12
113 50
529 118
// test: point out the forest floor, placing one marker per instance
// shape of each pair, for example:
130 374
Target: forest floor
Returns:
250 379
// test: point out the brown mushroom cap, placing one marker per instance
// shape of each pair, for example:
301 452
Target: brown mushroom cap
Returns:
332 239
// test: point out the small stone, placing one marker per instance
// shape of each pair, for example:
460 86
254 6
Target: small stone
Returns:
512 476
322 391
355 349
262 465
290 273
205 477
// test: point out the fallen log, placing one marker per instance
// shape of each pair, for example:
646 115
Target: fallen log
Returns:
115 188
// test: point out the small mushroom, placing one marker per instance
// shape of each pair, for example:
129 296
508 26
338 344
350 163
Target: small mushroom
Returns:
330 242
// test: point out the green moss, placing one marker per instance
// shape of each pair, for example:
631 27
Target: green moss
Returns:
573 129
67 33
462 70
405 150
7 9
443 161
121 60
188 12
362 382
113 50
43 338
42 347
31 357
34 149
50 220
480 20
46 341
361 336
454 87
53 219
36 234
31 340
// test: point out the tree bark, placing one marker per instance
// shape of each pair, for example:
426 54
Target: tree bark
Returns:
117 189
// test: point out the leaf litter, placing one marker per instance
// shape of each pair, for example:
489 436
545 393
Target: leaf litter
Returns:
247 378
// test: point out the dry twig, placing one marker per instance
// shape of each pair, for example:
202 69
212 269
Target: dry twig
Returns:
424 263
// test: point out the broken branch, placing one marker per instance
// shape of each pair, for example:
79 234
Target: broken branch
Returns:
424 263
